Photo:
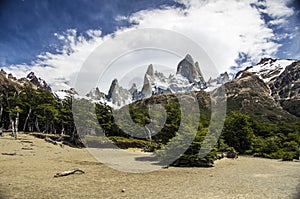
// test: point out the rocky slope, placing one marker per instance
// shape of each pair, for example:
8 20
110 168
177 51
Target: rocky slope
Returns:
38 82
281 79
34 82
267 91
31 80
270 89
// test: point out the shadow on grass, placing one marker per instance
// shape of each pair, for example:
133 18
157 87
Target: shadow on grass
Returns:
2 195
297 195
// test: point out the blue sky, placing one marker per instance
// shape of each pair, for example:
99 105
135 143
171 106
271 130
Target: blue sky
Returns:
50 36
28 26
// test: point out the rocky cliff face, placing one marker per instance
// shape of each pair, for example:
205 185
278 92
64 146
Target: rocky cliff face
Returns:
134 91
189 69
287 84
285 88
30 80
38 82
147 86
96 94
270 89
188 77
267 69
250 94
117 95
281 80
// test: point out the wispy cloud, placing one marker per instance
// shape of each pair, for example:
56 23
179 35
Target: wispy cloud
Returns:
59 69
224 29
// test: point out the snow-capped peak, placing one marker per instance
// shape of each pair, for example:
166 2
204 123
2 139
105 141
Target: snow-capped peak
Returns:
268 68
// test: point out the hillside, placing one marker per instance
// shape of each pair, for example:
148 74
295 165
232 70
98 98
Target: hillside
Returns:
261 120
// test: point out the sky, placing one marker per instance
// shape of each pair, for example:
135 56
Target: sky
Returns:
55 38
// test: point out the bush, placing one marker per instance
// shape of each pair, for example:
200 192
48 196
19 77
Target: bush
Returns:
288 156
238 133
275 155
290 146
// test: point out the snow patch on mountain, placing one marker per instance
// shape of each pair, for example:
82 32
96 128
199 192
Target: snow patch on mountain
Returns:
188 77
268 68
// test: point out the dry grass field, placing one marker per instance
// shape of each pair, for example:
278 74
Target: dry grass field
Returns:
29 174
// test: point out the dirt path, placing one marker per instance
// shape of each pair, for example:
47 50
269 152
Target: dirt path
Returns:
29 174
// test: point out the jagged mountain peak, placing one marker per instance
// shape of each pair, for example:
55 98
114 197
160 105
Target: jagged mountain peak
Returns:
30 80
31 75
63 94
189 69
147 86
133 86
188 78
150 70
267 69
266 60
117 95
113 87
189 59
38 82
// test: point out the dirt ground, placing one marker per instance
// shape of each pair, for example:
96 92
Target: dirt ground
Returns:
29 174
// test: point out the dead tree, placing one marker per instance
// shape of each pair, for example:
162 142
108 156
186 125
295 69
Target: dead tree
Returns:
26 120
66 173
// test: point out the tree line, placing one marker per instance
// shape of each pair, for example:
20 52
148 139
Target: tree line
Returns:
34 110
37 110
241 133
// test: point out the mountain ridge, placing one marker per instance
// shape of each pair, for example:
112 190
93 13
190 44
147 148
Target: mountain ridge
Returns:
188 77
270 84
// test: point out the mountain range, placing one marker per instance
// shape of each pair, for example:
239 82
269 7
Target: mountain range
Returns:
269 89
188 77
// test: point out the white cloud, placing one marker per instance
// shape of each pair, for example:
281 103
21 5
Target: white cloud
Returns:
223 28
60 69
277 8
121 18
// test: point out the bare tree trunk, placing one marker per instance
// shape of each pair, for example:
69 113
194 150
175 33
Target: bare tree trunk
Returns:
26 120
62 130
37 125
47 126
12 122
30 127
17 124
1 112
73 134
52 128
149 134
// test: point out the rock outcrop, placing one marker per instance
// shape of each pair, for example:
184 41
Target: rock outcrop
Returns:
190 70
281 78
38 82
187 78
31 80
117 95
96 94
287 84
134 92
147 86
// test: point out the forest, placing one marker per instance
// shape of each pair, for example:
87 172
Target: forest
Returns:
35 110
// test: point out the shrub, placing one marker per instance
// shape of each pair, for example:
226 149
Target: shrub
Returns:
238 133
288 156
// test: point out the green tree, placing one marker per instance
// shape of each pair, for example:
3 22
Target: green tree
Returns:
237 132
